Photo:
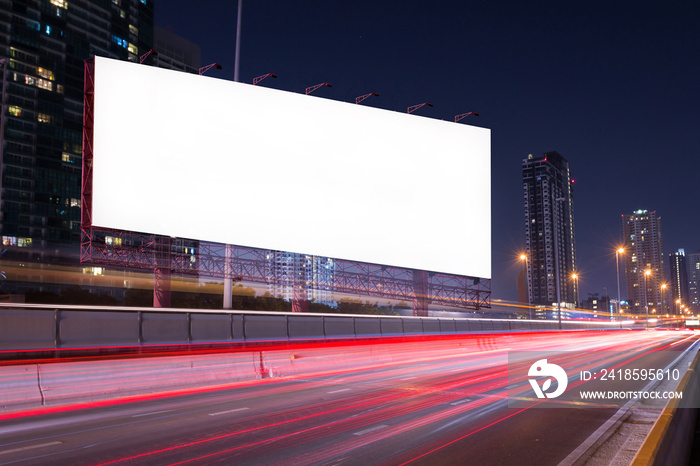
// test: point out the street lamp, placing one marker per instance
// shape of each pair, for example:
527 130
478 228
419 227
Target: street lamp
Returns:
617 266
523 257
663 288
647 272
574 276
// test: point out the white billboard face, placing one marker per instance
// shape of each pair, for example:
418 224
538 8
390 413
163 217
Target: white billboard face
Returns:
189 156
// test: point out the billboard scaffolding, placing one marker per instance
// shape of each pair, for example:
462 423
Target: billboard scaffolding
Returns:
166 255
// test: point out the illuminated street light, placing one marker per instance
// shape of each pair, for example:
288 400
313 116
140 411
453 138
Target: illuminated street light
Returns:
260 78
147 54
647 272
204 69
663 289
464 115
523 257
618 251
309 90
574 277
413 108
366 96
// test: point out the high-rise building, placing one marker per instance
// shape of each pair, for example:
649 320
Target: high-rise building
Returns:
549 229
43 45
644 260
310 276
693 260
679 280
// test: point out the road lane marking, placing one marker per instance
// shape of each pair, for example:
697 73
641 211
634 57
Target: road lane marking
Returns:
156 412
461 401
41 445
371 429
341 390
229 411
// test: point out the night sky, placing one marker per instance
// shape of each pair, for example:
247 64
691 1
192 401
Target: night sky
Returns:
612 86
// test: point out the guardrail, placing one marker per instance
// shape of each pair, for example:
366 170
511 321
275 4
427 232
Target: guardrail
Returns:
47 327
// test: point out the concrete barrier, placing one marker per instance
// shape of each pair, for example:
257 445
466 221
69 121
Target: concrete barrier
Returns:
98 328
164 327
27 327
211 327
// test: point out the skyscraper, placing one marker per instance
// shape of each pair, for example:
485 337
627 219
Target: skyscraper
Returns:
549 229
644 252
679 280
43 45
694 281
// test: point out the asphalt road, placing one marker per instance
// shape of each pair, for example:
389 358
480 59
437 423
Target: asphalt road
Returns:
443 407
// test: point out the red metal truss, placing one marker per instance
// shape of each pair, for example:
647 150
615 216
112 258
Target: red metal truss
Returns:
188 257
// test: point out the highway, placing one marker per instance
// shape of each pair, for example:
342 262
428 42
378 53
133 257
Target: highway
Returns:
447 401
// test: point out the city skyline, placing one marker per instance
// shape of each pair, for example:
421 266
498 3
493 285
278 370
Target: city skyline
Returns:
611 86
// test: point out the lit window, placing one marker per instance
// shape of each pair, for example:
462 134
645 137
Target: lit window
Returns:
113 241
44 73
29 80
66 157
15 111
59 88
133 49
60 3
45 84
24 242
9 241
133 29
33 24
43 118
48 30
93 270
122 14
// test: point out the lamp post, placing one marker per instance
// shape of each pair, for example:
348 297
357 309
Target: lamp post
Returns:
574 276
618 251
523 257
663 289
647 272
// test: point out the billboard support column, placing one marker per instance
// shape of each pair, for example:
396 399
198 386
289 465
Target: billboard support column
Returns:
228 280
300 302
161 273
420 295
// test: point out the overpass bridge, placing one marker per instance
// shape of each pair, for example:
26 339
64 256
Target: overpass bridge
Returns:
86 385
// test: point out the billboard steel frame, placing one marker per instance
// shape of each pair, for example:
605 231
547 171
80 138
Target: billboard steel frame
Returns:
131 250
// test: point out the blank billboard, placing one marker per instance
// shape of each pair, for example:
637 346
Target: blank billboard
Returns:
189 156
